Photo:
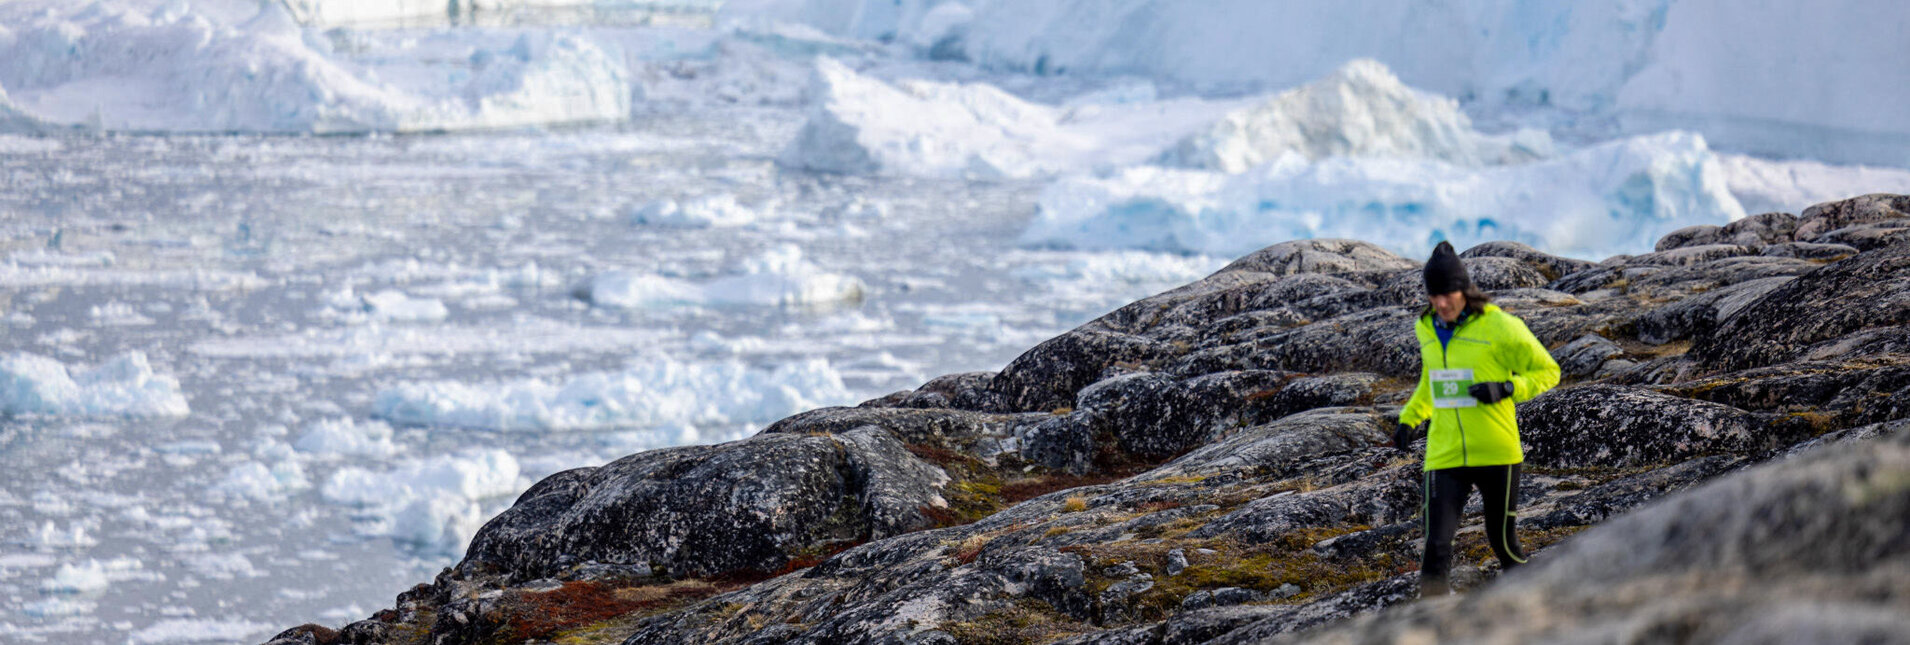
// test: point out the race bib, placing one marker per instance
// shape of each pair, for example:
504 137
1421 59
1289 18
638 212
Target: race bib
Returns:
1449 389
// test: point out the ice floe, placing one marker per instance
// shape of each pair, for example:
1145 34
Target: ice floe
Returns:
125 386
347 437
777 276
650 393
431 503
710 211
199 630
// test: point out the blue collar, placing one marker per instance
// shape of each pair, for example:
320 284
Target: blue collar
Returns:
1440 323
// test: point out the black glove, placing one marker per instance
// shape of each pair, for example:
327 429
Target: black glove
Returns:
1402 436
1490 392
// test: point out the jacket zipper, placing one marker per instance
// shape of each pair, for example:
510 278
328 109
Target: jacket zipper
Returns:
1445 362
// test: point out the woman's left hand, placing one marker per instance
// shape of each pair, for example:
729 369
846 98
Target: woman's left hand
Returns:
1490 392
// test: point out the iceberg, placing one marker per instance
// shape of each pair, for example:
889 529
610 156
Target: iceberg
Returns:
1360 110
125 386
650 394
113 66
1759 81
861 125
858 124
1616 197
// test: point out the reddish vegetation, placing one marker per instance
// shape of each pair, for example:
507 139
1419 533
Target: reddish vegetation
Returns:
541 615
969 551
942 518
1155 507
1022 490
938 455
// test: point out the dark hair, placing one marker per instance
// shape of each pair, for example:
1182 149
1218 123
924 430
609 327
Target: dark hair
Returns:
1476 301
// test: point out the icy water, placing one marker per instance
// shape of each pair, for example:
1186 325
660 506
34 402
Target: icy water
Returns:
377 339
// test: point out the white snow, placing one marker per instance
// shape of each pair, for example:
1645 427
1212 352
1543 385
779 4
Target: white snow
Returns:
199 630
431 503
653 392
1360 110
1759 79
124 386
778 276
1611 198
347 437
711 211
115 66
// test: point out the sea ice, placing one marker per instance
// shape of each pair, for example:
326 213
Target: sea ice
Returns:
777 276
388 305
258 481
124 386
199 630
117 66
432 502
712 211
348 437
652 392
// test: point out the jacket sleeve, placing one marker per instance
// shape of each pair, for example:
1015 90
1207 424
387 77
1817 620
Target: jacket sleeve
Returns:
1533 369
1419 407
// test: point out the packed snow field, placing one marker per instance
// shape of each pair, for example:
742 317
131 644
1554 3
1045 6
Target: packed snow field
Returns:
250 380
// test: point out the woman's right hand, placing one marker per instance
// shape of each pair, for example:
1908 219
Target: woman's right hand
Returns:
1402 436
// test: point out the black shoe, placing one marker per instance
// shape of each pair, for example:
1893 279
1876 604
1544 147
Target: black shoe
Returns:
1434 586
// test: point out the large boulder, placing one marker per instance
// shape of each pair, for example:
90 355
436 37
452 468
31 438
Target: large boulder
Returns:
1148 414
1611 425
1320 256
697 511
1697 315
1867 293
1047 377
1552 266
1489 273
1867 209
1376 340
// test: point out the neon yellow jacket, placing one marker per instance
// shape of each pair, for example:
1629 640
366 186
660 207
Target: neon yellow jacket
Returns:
1495 346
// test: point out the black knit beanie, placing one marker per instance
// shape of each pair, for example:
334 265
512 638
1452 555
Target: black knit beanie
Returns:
1444 272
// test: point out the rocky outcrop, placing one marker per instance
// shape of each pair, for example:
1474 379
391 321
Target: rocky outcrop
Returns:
1809 549
1211 464
773 495
1852 307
